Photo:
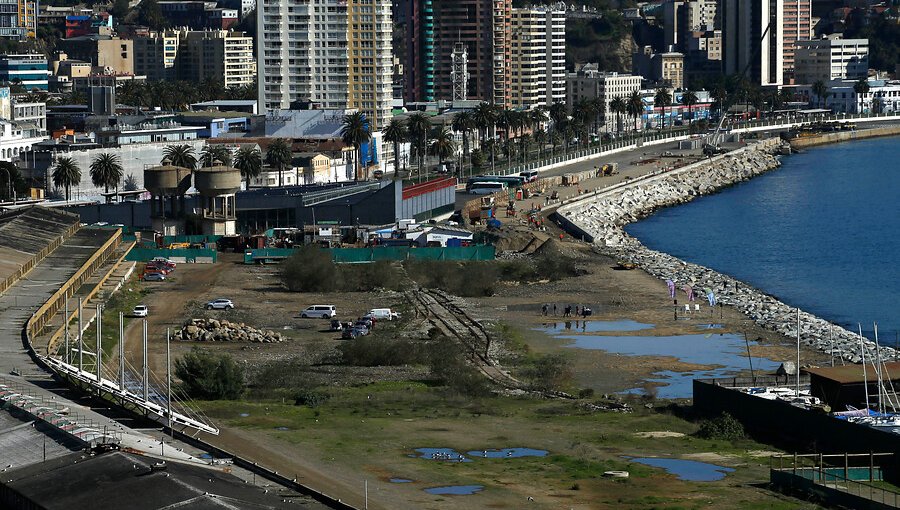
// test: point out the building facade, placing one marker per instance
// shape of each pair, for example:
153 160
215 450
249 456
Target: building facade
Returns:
588 83
18 19
538 53
155 55
883 96
29 70
333 53
797 25
682 17
831 58
752 39
112 53
218 55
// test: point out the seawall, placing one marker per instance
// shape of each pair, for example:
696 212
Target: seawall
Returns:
843 136
600 218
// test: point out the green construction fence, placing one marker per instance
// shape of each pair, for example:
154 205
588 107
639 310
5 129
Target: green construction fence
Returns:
362 255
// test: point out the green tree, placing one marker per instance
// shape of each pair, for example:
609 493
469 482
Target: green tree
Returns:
210 376
212 153
662 99
309 269
618 106
485 116
182 155
396 134
130 183
149 14
119 10
66 174
821 91
249 161
11 181
355 132
689 98
418 125
278 155
106 170
861 88
443 145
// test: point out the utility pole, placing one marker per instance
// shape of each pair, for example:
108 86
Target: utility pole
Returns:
80 336
121 351
66 356
169 384
146 368
98 355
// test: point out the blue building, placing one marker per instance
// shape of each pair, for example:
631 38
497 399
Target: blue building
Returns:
29 70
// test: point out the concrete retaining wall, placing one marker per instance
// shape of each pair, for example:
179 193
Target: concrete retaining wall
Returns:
843 136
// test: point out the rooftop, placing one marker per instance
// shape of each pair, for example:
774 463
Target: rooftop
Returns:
850 374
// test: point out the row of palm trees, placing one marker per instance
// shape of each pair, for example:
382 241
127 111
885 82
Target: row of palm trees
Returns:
106 171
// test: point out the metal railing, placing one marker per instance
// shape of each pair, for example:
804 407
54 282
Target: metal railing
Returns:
810 472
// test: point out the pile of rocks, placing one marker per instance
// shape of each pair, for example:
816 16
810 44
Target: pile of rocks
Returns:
214 330
602 217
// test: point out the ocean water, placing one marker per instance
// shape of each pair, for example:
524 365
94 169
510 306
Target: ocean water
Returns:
822 233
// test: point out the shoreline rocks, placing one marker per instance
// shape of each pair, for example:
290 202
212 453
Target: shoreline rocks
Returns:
214 330
603 216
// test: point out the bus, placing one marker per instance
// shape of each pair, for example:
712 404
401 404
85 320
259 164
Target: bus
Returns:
509 180
486 187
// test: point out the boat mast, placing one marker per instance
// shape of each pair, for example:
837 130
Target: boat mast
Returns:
862 352
798 354
877 366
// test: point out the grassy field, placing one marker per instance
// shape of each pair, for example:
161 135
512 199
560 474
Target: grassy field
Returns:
375 428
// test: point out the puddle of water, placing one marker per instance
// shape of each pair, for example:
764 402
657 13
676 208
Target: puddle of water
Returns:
689 470
590 326
455 490
400 480
244 415
508 453
282 428
709 326
444 454
205 456
727 352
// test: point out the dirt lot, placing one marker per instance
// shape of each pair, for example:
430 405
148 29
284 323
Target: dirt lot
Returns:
377 416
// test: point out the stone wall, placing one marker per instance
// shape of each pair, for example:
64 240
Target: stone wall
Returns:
602 216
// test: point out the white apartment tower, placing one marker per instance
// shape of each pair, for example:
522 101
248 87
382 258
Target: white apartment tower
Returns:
831 58
752 38
538 57
334 53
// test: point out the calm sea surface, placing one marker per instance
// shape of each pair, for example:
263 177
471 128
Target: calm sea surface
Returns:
822 232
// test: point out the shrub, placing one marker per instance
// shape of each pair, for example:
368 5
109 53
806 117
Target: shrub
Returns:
374 351
365 277
586 393
448 365
469 279
723 427
549 372
210 376
310 269
310 398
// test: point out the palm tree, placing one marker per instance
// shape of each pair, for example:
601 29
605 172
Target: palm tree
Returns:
106 170
355 132
540 139
820 90
443 146
689 98
418 125
486 117
249 161
395 132
212 153
66 174
180 155
618 106
662 99
464 123
279 155
861 88
635 106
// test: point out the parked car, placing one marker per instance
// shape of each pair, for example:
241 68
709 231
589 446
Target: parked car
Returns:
368 322
220 304
382 314
140 311
323 311
153 268
359 331
164 261
350 333
153 277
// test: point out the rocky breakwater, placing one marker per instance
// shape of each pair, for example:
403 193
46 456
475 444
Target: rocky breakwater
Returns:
214 330
603 215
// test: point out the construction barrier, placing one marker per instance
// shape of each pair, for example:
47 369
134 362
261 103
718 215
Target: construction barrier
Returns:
188 255
373 254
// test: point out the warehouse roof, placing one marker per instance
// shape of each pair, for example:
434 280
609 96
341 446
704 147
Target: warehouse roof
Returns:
850 374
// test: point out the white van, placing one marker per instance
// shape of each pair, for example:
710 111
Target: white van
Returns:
486 188
381 314
323 311
529 175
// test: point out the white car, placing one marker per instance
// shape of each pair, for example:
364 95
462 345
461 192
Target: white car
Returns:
323 311
140 311
220 304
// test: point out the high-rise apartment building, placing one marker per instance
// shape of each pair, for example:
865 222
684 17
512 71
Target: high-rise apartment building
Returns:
433 30
218 55
682 17
18 19
796 26
752 39
588 82
538 57
156 54
831 58
29 70
336 53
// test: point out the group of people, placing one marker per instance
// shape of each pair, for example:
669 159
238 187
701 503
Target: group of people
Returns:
579 311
